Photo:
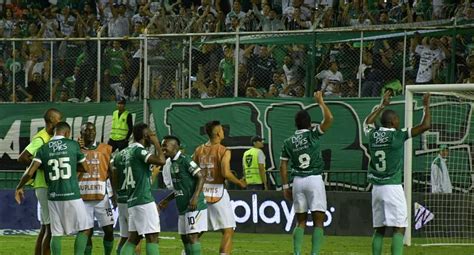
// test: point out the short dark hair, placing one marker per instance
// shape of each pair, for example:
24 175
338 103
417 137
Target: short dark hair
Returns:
387 117
172 137
62 126
302 119
87 124
210 127
48 115
138 131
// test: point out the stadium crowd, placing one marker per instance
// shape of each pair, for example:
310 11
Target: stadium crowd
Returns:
264 70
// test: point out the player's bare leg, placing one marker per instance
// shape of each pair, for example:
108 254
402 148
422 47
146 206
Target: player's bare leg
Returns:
298 233
195 244
377 241
39 240
152 246
108 240
397 241
318 232
45 246
226 241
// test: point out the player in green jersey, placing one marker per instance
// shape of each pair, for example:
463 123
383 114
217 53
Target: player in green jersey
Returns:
51 117
62 159
187 185
304 152
389 208
143 219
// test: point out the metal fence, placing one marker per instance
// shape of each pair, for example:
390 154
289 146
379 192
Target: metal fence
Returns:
345 62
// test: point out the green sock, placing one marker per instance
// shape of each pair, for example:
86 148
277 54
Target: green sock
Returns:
56 245
108 247
196 248
397 244
187 248
119 248
88 250
317 240
128 249
298 235
152 249
377 244
80 243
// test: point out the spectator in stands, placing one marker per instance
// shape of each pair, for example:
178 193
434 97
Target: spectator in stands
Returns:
66 22
262 66
236 14
70 85
429 55
8 22
331 80
118 25
370 75
296 20
38 88
291 70
116 62
226 72
362 20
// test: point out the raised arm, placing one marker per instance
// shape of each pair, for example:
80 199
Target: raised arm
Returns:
327 115
228 175
373 115
158 158
426 121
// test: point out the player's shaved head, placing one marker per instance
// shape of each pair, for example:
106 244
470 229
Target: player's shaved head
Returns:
302 120
62 128
389 119
210 128
139 131
52 116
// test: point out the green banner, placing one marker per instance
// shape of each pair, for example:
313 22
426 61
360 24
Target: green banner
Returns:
19 122
343 146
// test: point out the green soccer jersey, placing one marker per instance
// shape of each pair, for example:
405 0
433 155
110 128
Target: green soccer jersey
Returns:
119 162
183 169
303 151
386 152
59 158
138 177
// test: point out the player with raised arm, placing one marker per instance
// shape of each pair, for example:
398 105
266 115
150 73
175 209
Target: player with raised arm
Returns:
389 208
93 186
143 214
51 117
214 159
62 159
303 150
188 182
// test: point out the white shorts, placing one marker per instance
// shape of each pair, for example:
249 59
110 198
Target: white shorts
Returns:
389 207
309 193
144 219
123 219
68 217
43 210
192 222
101 210
220 215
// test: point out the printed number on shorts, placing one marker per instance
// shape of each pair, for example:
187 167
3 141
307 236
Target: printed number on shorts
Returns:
129 181
60 169
382 164
108 211
304 160
191 220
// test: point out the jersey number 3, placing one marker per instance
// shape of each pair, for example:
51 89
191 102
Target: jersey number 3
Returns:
381 166
60 169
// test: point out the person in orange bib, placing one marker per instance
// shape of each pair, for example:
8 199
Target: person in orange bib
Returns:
93 185
214 159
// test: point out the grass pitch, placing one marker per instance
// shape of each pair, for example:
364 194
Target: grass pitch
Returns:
279 244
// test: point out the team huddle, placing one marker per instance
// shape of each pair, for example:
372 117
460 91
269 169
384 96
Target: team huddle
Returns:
78 181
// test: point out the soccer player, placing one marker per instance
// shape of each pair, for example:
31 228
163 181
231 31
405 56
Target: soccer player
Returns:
187 184
143 214
51 118
214 159
303 150
389 208
93 186
62 159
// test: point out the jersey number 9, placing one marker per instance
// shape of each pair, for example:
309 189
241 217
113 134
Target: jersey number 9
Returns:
304 160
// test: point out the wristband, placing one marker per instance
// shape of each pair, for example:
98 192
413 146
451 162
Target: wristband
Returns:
285 186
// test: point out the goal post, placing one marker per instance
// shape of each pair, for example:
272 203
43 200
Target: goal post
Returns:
449 99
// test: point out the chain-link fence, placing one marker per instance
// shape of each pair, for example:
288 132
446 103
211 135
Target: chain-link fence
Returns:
347 63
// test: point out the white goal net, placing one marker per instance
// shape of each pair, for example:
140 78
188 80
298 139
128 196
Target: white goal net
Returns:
439 177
